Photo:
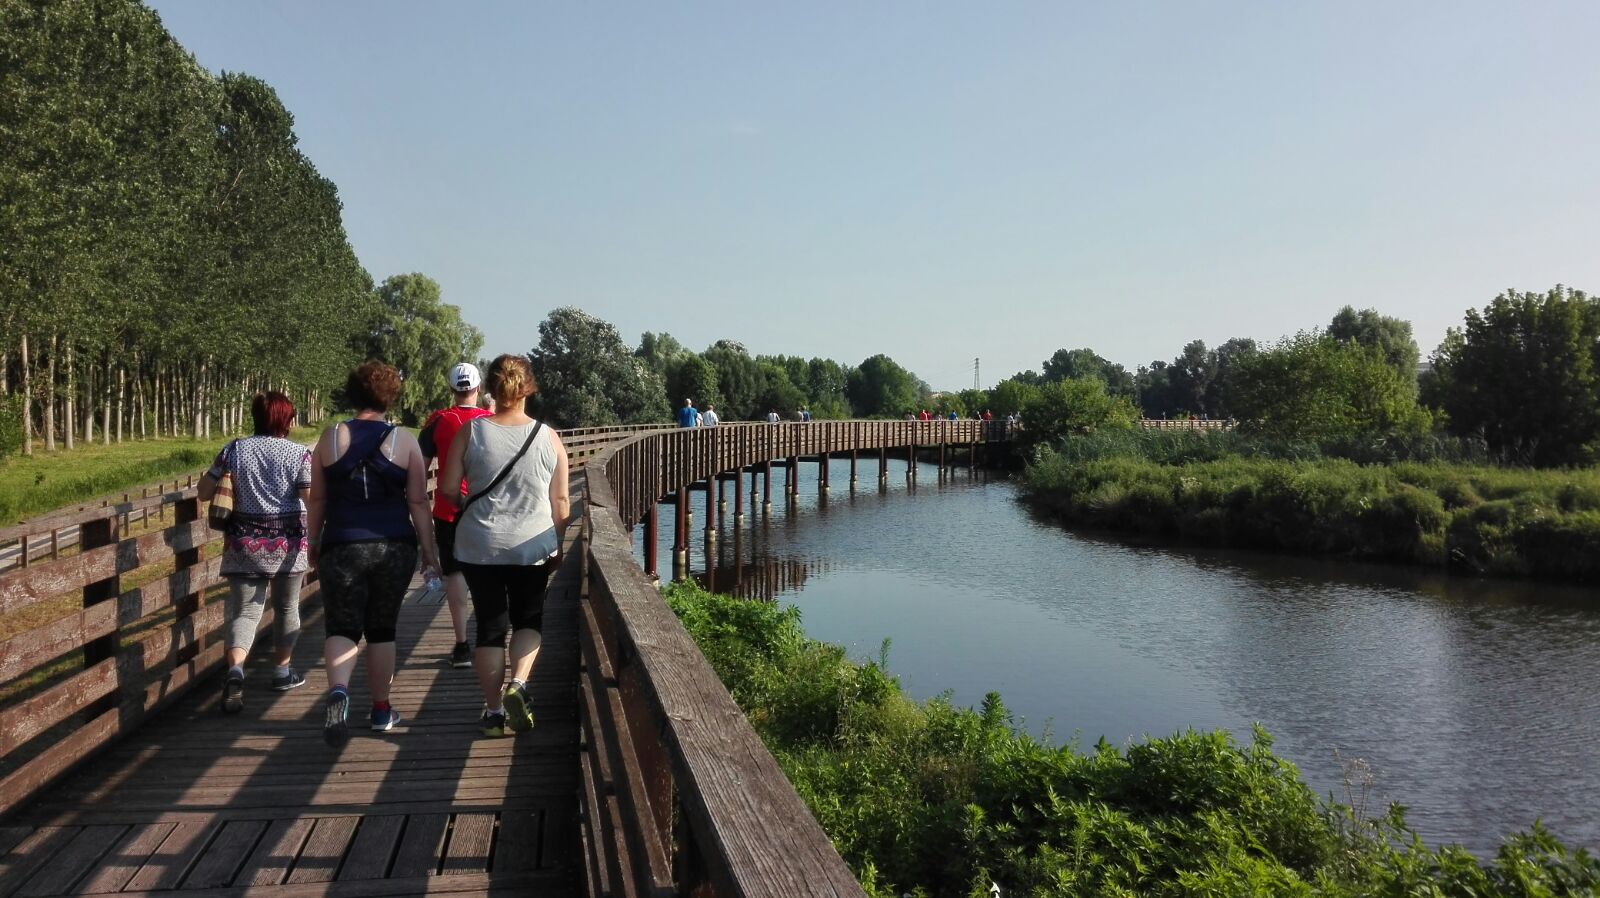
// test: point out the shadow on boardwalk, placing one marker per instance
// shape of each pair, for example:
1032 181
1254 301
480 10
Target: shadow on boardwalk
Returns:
197 800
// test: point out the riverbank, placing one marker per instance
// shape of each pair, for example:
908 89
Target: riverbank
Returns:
938 800
1478 519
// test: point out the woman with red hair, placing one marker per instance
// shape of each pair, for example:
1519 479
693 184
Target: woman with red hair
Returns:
264 548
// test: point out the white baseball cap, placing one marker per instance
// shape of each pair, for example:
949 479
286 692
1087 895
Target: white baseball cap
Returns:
464 377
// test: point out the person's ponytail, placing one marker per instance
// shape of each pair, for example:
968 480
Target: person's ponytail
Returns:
511 379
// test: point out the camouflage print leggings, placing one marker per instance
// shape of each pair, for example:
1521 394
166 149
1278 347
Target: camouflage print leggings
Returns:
362 587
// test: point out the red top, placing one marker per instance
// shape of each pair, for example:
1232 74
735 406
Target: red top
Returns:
435 438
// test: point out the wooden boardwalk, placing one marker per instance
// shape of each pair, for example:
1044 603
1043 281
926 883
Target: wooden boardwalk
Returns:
255 803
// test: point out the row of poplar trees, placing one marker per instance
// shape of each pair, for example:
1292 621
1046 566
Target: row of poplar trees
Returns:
166 249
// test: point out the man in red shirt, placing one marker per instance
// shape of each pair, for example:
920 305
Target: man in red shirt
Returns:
440 428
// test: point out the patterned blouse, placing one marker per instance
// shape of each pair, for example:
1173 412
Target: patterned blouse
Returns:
267 533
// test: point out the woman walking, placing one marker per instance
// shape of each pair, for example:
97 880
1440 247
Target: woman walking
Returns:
264 547
508 536
368 517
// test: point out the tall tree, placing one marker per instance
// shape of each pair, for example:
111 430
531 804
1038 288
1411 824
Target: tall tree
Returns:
880 387
588 377
1312 386
1071 364
1390 336
424 337
1523 373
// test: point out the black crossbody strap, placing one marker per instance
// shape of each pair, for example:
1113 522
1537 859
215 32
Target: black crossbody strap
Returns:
505 470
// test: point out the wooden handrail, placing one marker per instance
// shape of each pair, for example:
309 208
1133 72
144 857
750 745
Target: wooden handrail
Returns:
680 794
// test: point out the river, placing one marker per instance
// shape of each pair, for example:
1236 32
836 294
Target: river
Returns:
1476 703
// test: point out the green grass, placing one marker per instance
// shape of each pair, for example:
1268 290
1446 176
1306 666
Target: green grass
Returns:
50 480
1475 518
928 799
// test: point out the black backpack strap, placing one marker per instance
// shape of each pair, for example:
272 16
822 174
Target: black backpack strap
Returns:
505 470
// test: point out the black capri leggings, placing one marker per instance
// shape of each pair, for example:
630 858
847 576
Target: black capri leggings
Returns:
506 597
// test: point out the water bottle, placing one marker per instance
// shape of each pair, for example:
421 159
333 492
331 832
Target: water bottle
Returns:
431 579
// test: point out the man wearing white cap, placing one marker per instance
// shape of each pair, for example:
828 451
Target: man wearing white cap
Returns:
437 433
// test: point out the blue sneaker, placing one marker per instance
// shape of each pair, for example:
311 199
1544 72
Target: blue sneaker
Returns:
288 681
336 722
383 721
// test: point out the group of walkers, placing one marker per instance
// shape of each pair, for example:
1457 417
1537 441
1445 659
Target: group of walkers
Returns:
355 507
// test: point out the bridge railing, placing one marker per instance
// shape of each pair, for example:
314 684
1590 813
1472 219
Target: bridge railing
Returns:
680 794
113 625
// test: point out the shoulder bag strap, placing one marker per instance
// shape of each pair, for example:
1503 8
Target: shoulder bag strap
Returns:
503 471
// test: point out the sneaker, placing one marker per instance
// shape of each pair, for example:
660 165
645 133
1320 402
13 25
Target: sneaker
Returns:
519 711
288 681
233 693
383 721
461 655
493 723
336 724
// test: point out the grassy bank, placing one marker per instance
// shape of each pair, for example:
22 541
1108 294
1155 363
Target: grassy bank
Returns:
933 800
1471 517
50 480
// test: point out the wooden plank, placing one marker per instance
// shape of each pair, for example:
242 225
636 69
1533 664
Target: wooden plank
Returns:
22 587
421 846
373 847
125 858
32 853
25 720
226 854
178 851
319 860
11 835
275 854
542 884
68 864
516 846
471 836
29 649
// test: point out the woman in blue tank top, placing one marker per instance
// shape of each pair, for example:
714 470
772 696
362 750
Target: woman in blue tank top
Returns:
368 519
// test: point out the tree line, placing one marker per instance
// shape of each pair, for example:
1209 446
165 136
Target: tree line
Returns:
166 248
589 377
1521 376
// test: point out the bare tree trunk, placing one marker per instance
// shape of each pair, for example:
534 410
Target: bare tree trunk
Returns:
27 399
122 400
70 409
50 404
106 403
196 398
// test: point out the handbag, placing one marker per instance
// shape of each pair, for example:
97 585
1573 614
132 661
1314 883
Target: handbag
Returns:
505 470
221 512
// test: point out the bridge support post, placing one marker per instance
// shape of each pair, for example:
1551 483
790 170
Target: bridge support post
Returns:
650 565
883 463
852 467
680 536
822 473
713 486
792 485
911 462
766 484
738 498
722 491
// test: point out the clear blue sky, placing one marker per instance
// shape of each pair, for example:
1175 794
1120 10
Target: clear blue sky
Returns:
939 181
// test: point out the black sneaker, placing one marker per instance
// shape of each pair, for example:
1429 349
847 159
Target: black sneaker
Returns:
233 693
336 723
493 723
519 710
288 681
461 655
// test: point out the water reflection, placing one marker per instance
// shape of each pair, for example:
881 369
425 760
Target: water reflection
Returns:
1474 699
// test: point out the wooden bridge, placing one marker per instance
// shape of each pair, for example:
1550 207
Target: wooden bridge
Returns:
641 778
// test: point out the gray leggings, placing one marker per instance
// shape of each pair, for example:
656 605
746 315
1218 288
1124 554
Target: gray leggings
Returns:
247 598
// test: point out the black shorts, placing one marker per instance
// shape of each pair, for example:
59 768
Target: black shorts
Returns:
507 597
444 534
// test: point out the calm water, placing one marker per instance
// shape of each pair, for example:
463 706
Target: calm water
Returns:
1478 703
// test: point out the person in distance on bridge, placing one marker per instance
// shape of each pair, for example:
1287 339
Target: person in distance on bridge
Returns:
436 437
264 549
368 519
709 419
772 416
687 416
509 536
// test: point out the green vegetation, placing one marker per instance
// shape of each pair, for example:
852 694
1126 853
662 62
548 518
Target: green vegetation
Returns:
934 800
1476 518
168 249
32 486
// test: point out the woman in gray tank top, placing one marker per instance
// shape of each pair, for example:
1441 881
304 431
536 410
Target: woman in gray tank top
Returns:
508 536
